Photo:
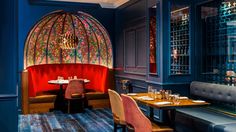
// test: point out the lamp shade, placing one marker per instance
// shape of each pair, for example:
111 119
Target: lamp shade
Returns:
230 73
93 45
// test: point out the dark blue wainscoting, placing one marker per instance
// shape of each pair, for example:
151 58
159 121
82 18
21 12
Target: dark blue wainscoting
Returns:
8 66
8 113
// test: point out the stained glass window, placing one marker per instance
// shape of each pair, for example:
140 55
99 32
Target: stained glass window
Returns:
94 46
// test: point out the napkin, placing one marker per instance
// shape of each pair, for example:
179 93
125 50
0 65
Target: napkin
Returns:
162 103
199 101
131 94
183 97
145 98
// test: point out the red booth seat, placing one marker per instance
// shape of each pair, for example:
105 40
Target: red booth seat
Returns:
39 75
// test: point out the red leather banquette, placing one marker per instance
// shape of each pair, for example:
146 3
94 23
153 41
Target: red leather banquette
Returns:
39 75
35 81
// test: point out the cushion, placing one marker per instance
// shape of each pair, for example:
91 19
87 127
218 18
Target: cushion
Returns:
75 96
96 95
200 119
42 99
215 92
207 115
231 127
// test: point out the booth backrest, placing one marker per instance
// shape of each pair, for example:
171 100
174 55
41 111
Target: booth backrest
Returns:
214 92
39 75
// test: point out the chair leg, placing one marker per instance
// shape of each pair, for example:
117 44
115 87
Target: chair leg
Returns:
83 104
130 128
123 128
115 127
68 107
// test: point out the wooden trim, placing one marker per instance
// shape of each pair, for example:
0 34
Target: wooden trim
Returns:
24 92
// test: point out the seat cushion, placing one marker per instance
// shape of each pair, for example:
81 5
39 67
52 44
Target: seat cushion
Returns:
200 119
161 128
42 99
225 128
207 115
77 96
96 95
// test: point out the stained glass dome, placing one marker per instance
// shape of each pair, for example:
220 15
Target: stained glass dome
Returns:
94 45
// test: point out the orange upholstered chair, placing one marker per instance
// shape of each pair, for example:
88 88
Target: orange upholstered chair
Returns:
117 109
134 117
74 90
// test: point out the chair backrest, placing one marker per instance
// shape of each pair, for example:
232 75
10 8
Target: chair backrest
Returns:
134 116
75 86
116 105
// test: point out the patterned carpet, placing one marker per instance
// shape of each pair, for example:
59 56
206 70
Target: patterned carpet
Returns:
99 120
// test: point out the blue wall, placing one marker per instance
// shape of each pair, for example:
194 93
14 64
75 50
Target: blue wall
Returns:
31 11
130 15
8 66
19 17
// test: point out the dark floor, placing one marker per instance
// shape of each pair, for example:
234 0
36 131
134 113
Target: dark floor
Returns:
98 120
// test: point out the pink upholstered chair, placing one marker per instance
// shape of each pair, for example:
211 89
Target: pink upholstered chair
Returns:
74 90
117 109
135 117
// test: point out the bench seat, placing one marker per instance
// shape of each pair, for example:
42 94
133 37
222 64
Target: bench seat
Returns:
38 94
218 117
231 127
42 99
201 119
96 95
41 103
97 99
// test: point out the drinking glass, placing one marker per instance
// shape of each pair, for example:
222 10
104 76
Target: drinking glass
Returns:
154 92
167 94
150 90
176 99
69 78
158 95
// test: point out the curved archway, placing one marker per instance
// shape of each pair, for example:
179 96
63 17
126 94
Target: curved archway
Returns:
94 45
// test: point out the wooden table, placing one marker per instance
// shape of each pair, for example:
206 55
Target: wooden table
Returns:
169 107
182 102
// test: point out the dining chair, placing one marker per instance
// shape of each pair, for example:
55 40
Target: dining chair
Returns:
134 117
117 109
74 90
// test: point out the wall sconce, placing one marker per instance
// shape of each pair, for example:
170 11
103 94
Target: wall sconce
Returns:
175 53
230 77
126 85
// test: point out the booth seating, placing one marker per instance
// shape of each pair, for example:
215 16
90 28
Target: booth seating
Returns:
220 116
39 96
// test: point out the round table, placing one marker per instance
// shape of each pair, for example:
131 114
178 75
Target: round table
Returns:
59 102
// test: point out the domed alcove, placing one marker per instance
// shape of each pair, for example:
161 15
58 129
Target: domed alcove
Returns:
94 45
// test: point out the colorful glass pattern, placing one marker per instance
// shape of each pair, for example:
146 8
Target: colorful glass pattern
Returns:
94 46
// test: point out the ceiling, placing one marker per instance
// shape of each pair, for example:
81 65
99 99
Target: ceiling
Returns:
103 3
